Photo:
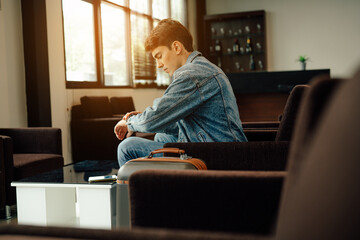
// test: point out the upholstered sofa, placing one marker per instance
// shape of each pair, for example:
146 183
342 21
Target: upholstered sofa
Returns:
92 127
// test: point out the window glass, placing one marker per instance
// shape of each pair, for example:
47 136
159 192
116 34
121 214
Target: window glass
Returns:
178 11
120 2
160 9
140 6
79 41
162 78
121 26
144 65
114 45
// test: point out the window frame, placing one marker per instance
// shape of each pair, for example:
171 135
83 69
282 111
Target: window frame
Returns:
100 81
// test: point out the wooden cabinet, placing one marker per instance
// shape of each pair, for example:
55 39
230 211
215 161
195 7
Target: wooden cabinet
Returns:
261 96
227 37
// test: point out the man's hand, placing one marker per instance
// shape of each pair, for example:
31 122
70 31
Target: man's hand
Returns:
121 129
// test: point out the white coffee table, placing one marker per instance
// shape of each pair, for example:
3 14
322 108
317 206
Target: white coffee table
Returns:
64 197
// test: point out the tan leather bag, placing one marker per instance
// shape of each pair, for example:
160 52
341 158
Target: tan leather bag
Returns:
183 162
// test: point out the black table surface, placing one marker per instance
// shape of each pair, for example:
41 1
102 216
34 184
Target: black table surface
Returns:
77 173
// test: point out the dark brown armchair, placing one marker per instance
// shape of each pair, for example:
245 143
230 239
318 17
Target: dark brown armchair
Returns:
230 201
26 152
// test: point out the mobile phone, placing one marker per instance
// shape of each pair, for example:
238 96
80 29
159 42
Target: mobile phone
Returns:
108 178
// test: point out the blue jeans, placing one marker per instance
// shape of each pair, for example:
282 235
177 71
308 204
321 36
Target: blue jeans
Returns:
136 147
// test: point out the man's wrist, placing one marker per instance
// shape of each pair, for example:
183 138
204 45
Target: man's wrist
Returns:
129 114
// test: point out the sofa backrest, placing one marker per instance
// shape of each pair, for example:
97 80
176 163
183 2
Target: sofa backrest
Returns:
322 190
96 107
312 108
290 113
101 107
122 105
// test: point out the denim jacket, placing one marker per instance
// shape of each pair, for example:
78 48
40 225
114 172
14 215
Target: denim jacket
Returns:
198 106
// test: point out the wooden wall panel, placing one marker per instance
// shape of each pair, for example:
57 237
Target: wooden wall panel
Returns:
261 107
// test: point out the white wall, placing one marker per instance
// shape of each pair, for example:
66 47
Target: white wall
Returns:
327 31
12 69
191 5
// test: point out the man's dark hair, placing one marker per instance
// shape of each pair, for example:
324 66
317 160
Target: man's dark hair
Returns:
166 32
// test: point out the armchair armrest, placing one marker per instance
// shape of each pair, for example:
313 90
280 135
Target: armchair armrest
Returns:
2 172
6 168
231 201
261 125
238 155
15 231
35 140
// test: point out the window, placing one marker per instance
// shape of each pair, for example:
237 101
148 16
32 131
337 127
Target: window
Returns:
104 41
80 42
114 45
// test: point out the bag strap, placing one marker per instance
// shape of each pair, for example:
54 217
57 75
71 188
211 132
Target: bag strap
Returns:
166 150
194 161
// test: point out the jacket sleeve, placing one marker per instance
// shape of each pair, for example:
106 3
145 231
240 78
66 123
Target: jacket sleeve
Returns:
172 129
180 99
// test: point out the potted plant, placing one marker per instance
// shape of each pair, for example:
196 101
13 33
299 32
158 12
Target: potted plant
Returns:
303 59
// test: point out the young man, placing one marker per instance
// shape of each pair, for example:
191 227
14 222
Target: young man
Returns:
198 106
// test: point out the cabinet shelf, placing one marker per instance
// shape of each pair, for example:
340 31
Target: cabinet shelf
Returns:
224 29
216 37
236 54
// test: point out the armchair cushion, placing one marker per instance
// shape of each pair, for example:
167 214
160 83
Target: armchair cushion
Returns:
28 164
96 107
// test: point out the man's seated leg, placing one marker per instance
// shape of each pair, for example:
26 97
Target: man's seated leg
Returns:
165 138
135 147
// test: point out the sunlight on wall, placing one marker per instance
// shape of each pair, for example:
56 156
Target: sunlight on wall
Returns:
12 69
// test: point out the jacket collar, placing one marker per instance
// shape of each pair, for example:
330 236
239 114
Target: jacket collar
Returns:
192 56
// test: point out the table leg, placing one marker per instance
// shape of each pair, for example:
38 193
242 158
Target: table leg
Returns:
97 207
46 206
